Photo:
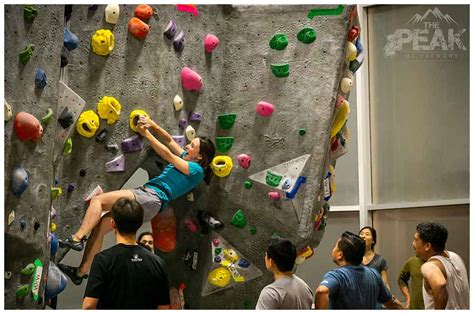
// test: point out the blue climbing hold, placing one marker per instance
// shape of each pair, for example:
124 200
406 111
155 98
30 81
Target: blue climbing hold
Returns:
54 244
40 79
20 181
71 41
56 282
243 263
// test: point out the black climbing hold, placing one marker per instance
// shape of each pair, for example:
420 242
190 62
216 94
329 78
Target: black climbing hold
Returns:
64 57
56 182
83 172
93 7
102 136
22 224
36 225
71 187
67 12
65 118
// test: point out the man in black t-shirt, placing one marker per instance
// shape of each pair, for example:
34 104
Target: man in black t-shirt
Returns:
127 276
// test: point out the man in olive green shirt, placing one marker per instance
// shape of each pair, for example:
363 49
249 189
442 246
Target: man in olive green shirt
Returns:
412 270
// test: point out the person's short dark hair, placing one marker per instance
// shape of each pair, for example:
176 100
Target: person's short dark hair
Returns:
434 233
144 234
128 215
353 248
283 253
374 235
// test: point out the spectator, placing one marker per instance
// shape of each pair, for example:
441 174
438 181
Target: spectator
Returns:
146 240
411 271
372 259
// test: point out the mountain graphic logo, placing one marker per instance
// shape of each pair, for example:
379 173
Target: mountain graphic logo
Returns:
418 18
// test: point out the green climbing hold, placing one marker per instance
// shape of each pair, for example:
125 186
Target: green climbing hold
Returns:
224 143
26 54
276 234
302 131
248 184
280 70
253 230
29 13
67 150
48 116
218 250
28 270
307 35
273 179
278 42
56 192
22 291
226 121
239 220
354 65
318 12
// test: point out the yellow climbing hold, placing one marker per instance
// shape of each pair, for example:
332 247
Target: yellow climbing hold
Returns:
219 277
134 115
341 118
88 123
53 227
102 42
231 255
222 166
109 108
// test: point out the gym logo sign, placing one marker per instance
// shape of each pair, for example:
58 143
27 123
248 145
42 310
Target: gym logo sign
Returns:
432 35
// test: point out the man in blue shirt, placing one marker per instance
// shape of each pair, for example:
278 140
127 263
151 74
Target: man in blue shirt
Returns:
352 286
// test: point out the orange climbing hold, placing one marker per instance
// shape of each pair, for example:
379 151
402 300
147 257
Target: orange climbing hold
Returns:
143 12
27 127
164 230
138 28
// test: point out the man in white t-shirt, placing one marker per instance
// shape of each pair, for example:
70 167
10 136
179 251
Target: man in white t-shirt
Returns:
288 291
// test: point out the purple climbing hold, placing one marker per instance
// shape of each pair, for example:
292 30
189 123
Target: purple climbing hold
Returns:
71 187
40 79
178 42
52 213
170 30
183 123
217 259
20 181
132 144
180 140
71 41
195 116
115 165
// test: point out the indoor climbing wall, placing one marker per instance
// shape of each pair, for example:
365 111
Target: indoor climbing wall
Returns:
268 83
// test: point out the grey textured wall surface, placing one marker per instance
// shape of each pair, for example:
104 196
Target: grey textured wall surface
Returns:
146 75
24 246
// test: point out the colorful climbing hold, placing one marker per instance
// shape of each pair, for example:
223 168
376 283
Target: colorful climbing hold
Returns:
222 166
216 242
134 116
248 184
224 143
217 259
253 230
170 30
88 123
279 42
353 33
132 144
46 118
28 270
56 282
351 51
109 108
231 255
195 116
280 70
189 8
191 80
226 120
272 179
54 244
30 13
243 263
299 181
8 275
26 54
341 118
143 12
67 149
27 127
7 110
112 12
180 140
307 35
178 103
244 160
56 192
302 131
210 43
22 291
71 187
191 224
102 136
219 277
239 220
138 28
190 133
265 109
53 227
286 184
115 165
53 213
274 195
346 85
71 41
182 123
102 42
178 42
318 12
40 79
20 180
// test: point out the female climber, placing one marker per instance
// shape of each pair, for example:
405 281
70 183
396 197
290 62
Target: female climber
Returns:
186 169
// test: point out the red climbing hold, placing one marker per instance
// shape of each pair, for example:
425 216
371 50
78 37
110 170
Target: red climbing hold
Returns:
138 28
190 80
189 8
27 127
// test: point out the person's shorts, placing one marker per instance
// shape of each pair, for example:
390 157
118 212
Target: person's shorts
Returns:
149 200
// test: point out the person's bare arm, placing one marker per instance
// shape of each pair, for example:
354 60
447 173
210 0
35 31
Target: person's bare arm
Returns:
403 279
394 304
164 136
436 281
406 294
321 298
89 303
384 276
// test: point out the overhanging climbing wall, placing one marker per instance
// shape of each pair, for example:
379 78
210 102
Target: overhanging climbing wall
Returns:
292 149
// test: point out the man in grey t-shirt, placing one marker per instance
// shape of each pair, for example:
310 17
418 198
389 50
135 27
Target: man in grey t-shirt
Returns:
288 291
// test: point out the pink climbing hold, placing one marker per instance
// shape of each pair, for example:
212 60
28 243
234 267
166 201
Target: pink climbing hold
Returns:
274 195
27 127
244 160
265 109
210 42
191 80
191 224
340 101
115 165
188 8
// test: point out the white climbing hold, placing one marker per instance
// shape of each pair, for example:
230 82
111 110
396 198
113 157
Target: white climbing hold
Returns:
7 110
190 133
346 85
112 12
190 197
11 217
351 51
178 103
